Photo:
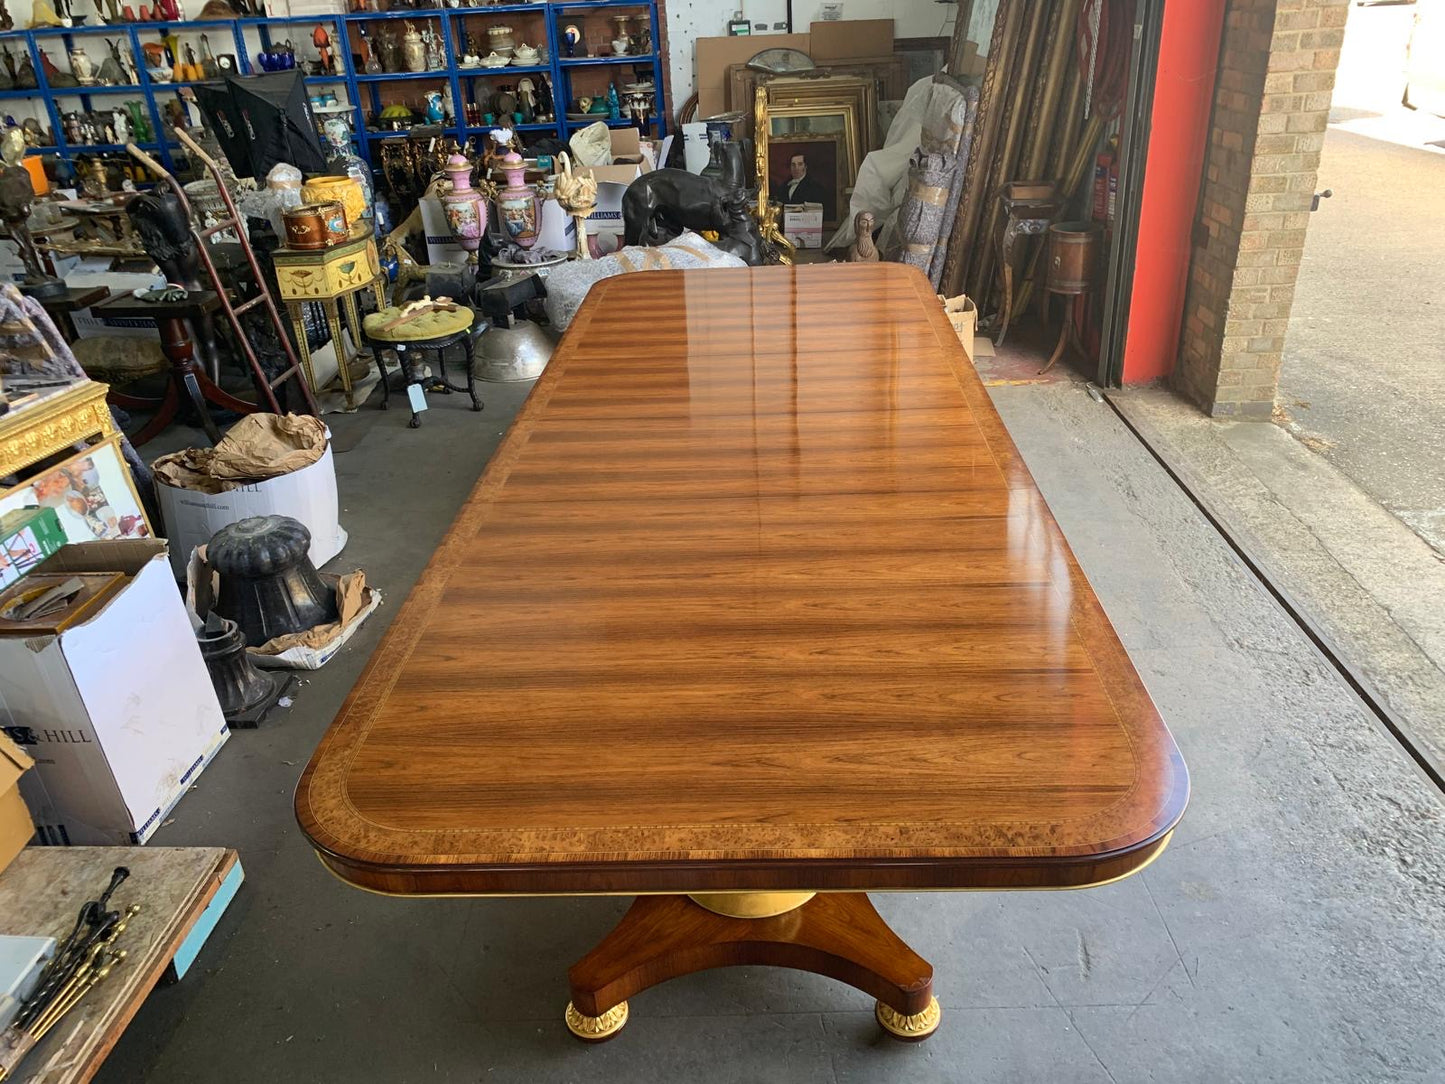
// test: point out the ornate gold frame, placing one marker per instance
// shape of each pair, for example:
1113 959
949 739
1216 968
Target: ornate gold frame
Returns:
766 213
30 433
795 97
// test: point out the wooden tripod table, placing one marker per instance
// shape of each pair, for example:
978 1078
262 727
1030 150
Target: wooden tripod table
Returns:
755 610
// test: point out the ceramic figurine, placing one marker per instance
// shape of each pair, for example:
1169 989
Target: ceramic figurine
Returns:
413 50
544 100
121 123
343 161
431 47
322 40
112 71
466 208
577 195
42 14
449 109
527 100
517 203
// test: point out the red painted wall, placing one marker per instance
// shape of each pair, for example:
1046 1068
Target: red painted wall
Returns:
1178 136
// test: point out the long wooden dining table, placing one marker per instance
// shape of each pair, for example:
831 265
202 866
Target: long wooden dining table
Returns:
754 611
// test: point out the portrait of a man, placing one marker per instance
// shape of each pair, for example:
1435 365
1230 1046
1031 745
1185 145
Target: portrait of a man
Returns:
797 186
804 172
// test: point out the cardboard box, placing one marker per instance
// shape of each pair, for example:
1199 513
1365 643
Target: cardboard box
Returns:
968 63
309 494
850 39
803 224
605 223
963 315
715 55
27 537
441 245
117 711
16 827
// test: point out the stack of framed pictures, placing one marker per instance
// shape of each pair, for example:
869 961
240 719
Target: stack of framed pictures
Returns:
818 132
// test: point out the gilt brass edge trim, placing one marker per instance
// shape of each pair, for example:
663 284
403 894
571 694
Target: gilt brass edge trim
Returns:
750 904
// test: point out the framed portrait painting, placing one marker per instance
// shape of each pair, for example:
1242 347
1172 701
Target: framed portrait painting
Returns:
809 168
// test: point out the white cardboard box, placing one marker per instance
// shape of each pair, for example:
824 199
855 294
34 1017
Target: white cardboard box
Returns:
441 245
803 224
117 711
605 223
308 494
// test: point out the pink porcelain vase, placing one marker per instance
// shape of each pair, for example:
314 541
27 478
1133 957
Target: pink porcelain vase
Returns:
517 203
465 207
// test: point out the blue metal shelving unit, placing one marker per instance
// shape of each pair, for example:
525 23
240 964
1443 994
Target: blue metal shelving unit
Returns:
363 90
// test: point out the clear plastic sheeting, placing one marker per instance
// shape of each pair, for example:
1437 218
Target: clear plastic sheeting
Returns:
567 284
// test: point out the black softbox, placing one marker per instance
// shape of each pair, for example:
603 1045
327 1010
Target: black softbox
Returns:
260 120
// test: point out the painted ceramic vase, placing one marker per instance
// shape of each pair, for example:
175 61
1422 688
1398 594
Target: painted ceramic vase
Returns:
340 159
81 66
413 50
465 207
517 203
342 190
434 112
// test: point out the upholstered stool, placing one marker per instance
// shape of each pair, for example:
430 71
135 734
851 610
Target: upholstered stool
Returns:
430 332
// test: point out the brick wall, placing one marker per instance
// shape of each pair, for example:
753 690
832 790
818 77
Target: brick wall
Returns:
1277 65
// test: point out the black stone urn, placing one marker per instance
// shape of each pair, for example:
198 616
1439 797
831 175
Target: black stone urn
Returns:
269 587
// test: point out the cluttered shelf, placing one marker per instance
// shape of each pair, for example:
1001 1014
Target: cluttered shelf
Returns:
446 32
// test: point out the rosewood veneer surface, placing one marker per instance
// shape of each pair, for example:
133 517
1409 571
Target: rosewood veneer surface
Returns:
756 594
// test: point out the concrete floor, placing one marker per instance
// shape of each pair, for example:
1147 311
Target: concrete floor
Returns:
1290 933
1372 587
1363 381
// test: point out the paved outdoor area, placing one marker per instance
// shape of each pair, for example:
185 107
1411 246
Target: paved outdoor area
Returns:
1363 382
1291 932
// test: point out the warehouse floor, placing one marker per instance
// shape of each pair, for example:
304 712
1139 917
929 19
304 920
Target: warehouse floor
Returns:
1290 933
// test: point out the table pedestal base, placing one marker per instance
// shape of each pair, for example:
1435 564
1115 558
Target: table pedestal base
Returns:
835 934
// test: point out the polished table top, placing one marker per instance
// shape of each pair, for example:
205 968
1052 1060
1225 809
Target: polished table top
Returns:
756 594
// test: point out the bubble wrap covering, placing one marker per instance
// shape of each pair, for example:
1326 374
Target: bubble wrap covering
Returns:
568 283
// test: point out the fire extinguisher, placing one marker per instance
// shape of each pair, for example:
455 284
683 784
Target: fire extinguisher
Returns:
1106 183
1103 167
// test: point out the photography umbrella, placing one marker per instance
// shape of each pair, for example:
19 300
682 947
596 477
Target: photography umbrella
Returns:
260 120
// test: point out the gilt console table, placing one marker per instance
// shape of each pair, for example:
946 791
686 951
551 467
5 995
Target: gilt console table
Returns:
780 619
